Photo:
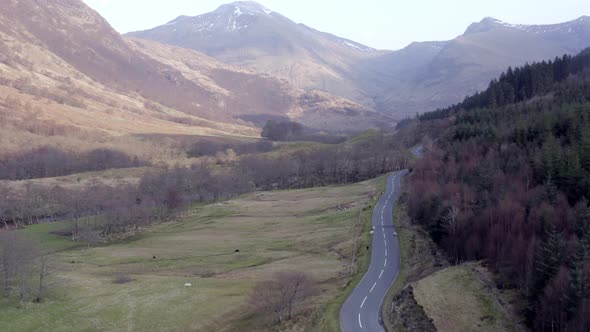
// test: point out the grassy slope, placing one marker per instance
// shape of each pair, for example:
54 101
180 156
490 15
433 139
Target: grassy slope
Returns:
456 301
275 231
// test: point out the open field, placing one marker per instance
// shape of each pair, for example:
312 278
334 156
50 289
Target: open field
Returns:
303 230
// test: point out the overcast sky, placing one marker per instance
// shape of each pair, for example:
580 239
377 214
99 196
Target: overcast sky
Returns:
385 24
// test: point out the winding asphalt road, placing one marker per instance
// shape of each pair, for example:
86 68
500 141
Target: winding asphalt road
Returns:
362 309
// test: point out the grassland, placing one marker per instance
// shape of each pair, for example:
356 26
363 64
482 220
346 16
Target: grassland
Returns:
303 230
456 300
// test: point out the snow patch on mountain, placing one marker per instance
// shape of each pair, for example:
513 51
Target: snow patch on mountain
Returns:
490 23
356 46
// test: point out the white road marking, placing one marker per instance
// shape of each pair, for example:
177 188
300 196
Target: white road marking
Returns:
360 324
362 304
385 250
381 274
375 284
385 264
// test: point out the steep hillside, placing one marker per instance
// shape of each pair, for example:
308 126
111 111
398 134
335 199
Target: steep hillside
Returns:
64 71
256 98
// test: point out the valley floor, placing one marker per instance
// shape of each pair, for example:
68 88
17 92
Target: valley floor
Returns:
302 230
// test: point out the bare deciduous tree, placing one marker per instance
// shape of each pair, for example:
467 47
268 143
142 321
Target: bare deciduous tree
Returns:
281 295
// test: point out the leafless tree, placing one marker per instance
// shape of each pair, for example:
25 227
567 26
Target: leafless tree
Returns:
43 274
88 236
281 295
450 224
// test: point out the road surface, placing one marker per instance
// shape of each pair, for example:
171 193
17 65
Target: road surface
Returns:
362 309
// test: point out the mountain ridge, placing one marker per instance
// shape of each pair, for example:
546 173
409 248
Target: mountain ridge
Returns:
418 78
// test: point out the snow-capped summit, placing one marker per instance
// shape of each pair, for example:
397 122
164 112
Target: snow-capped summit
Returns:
245 7
233 16
248 24
248 34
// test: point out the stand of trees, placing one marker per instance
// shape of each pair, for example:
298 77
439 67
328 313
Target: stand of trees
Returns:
282 130
293 131
282 296
210 149
50 162
510 182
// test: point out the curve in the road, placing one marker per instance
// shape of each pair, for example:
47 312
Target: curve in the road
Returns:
361 311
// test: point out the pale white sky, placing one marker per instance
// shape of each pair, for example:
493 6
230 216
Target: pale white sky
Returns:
384 24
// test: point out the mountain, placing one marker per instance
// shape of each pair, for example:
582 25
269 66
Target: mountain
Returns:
255 98
247 34
65 72
418 78
429 75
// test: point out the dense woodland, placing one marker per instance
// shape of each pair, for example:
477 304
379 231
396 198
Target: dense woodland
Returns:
50 162
509 181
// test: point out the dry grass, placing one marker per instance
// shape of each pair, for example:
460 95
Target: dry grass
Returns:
457 301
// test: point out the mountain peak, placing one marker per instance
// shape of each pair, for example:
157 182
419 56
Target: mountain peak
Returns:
245 7
486 24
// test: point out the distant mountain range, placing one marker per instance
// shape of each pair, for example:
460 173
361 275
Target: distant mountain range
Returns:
229 71
418 78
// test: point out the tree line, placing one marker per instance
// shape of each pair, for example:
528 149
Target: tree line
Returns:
99 210
50 162
210 148
292 131
509 182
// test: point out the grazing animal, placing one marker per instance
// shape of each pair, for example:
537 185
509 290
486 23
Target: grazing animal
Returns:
153 257
188 284
237 250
